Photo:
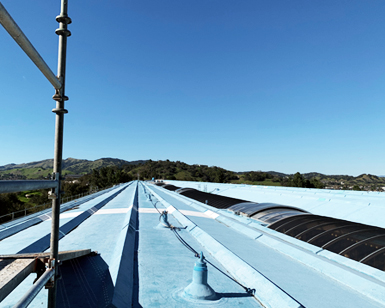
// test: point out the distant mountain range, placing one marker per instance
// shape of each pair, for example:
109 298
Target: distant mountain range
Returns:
178 170
43 168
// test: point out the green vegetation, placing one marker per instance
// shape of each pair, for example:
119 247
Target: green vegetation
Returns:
82 176
71 166
26 196
179 171
298 180
19 203
266 182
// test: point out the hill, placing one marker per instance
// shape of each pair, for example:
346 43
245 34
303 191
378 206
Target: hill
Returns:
180 171
71 166
148 169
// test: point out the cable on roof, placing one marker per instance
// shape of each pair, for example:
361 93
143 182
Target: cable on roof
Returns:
154 205
196 254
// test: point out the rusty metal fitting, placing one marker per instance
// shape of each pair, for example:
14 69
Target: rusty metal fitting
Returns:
50 284
52 195
39 268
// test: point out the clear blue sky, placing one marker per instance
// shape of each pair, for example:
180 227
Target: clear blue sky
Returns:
245 85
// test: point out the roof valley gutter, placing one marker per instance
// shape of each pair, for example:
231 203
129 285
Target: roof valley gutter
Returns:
122 268
267 293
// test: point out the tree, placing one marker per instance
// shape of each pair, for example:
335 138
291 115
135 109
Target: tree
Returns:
298 180
9 203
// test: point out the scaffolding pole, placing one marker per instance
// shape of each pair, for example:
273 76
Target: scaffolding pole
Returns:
58 83
60 99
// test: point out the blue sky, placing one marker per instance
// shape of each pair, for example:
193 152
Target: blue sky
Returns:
245 85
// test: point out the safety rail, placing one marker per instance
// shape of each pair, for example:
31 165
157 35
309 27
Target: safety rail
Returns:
17 186
40 207
58 83
22 213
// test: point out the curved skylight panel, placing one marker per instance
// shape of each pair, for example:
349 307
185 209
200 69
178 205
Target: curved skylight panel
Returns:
217 201
273 211
343 242
316 230
293 221
376 259
341 228
332 234
252 209
284 215
365 247
183 189
247 208
273 215
355 241
170 187
306 225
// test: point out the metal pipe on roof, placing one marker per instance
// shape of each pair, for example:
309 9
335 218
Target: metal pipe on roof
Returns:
16 186
35 289
13 29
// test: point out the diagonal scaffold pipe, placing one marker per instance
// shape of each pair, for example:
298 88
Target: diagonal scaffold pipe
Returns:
13 29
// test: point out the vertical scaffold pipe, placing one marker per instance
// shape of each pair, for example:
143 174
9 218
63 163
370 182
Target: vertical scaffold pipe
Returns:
60 98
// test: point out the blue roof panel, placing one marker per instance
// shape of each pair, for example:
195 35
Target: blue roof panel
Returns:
140 263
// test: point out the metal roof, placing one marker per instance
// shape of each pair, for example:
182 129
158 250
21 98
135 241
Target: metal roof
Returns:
141 263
